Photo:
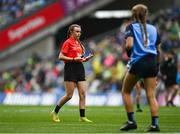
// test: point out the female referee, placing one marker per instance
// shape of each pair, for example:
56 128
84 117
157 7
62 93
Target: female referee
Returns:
143 44
74 74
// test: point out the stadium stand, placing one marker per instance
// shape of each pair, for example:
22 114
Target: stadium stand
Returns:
30 29
105 71
14 9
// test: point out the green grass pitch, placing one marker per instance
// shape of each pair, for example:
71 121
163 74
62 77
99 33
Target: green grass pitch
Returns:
106 119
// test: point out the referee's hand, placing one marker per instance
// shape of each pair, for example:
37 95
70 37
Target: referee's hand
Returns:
78 59
87 58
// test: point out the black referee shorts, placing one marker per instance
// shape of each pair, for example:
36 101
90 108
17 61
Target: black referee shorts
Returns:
170 81
145 67
74 71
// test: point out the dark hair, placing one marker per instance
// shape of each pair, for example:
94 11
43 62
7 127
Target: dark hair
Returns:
140 13
70 29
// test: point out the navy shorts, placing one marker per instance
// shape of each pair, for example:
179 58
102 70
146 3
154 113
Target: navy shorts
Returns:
145 67
74 71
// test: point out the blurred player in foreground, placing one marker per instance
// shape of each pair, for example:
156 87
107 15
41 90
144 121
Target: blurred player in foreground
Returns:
143 44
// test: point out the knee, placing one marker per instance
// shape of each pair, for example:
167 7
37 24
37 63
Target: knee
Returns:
150 96
82 95
124 92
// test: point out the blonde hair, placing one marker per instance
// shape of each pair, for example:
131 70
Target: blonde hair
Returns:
140 13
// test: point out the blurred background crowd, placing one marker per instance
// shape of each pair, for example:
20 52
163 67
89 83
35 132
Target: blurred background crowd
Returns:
105 71
14 9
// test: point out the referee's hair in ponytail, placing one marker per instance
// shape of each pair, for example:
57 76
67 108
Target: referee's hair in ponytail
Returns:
71 28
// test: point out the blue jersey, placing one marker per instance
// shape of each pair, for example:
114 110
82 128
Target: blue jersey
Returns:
139 49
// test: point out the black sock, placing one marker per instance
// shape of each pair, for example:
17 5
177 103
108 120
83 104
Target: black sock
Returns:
138 106
131 116
56 110
154 120
82 112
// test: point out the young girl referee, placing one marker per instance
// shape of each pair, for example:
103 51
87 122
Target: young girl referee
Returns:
74 74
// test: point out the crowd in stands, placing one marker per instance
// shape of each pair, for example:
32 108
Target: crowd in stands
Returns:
169 28
105 71
13 9
35 76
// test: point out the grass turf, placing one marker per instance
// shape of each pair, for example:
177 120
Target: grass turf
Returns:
36 119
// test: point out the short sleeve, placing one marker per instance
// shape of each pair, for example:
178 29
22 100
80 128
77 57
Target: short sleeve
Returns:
129 31
65 48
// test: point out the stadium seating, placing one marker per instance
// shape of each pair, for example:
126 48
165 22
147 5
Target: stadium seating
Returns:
105 71
14 9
